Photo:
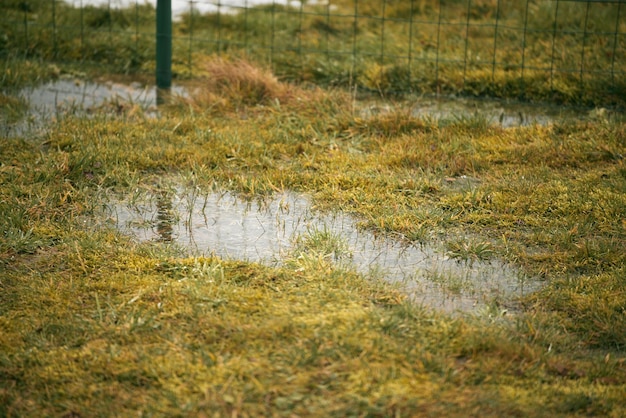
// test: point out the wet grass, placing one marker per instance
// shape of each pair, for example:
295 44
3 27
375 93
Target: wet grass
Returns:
94 324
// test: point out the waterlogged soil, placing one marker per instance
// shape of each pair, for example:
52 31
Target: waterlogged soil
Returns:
265 231
70 95
77 96
504 113
268 231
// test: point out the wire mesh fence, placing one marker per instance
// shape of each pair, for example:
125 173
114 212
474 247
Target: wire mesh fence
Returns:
557 50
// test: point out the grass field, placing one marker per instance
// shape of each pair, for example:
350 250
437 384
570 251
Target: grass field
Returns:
93 323
564 52
96 323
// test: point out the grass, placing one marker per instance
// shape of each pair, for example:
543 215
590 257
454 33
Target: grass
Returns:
468 250
322 243
564 52
95 324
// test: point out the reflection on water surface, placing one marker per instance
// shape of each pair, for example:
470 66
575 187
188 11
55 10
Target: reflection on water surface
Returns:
266 231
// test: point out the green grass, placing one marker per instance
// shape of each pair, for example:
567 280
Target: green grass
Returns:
322 242
562 52
95 324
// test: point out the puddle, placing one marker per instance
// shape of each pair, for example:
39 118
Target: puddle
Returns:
507 114
64 94
266 231
494 112
71 96
75 96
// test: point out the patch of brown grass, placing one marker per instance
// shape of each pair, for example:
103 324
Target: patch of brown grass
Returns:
237 83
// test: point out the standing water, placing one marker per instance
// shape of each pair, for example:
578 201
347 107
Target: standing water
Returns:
75 96
269 230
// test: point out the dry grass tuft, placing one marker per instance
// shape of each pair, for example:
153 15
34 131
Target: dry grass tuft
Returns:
233 84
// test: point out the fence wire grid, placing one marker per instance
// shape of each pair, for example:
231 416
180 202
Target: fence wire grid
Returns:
558 50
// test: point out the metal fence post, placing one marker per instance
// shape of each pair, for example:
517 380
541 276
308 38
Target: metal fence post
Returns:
163 49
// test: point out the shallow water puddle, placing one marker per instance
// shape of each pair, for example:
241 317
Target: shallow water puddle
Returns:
76 96
268 230
507 114
67 94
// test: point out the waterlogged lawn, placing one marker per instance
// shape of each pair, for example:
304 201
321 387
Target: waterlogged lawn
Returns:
94 323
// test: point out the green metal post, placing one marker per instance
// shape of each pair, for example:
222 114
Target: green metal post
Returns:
163 49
